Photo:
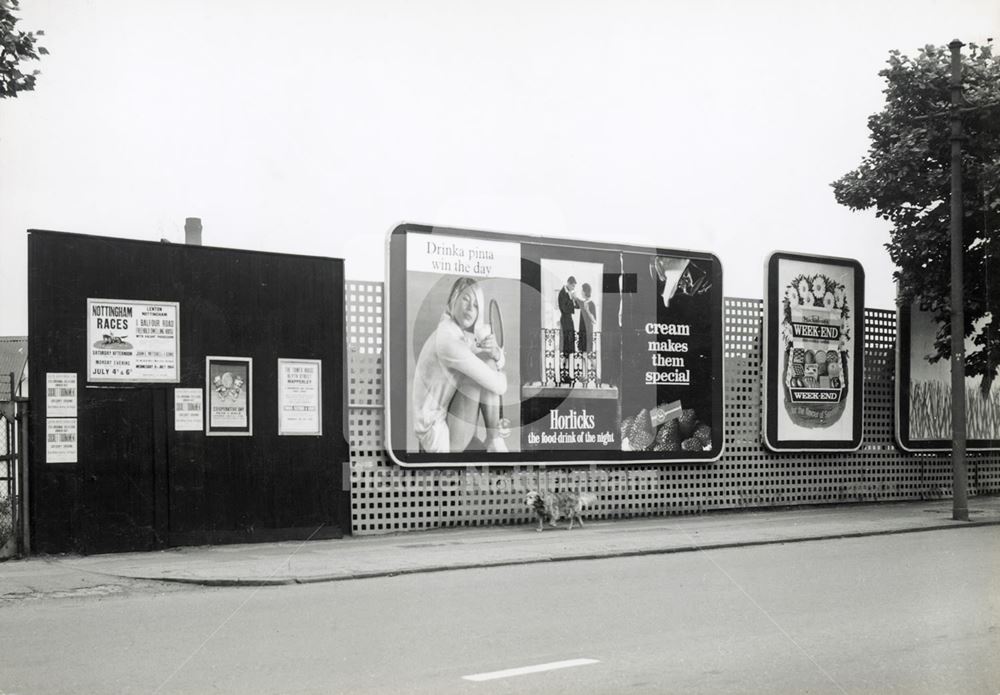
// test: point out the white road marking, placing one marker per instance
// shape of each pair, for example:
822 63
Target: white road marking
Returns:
507 673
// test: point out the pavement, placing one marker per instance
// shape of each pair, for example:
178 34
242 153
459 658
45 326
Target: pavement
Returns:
438 550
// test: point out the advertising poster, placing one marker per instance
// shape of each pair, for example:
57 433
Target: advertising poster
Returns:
60 440
60 394
813 353
189 411
300 397
132 341
529 349
230 395
923 397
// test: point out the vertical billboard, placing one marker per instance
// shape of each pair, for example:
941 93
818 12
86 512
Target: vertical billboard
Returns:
503 349
923 388
813 352
229 385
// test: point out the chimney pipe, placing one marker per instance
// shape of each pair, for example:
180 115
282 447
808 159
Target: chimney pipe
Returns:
192 231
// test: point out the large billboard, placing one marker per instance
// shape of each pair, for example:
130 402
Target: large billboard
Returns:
923 389
503 349
813 352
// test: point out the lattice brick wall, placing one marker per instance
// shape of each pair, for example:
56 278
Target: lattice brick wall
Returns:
386 498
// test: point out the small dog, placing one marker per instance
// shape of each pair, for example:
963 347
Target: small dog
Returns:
557 505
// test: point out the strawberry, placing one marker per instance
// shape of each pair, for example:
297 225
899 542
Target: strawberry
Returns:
704 435
687 422
667 437
691 444
641 434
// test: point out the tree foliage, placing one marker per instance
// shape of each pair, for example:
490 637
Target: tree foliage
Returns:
16 46
906 178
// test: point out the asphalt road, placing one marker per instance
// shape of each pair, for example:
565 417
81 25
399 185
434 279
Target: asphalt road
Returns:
913 613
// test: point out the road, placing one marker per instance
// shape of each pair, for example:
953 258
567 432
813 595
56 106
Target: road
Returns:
911 613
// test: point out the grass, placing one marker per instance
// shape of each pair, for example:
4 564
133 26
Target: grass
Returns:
930 411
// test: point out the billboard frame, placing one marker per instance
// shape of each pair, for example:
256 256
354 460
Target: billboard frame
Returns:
394 361
904 340
769 369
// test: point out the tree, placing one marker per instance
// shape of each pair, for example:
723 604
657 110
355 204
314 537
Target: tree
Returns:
905 177
16 46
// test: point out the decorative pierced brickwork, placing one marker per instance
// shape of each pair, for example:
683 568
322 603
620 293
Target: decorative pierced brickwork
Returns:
386 498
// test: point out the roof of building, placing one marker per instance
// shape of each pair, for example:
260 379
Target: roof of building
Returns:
13 357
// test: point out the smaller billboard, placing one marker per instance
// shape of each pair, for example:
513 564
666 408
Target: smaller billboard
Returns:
189 407
923 389
60 394
132 341
300 401
61 440
229 384
813 353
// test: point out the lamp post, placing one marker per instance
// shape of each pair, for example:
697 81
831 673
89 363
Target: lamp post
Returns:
960 503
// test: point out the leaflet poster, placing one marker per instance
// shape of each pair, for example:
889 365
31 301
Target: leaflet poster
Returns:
60 440
504 349
230 395
923 388
60 394
813 353
189 411
299 399
132 341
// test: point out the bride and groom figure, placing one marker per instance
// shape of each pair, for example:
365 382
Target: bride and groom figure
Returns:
575 340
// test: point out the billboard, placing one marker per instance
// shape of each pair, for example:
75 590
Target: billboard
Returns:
229 384
923 389
503 349
131 342
813 352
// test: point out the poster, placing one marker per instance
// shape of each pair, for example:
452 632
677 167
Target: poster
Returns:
300 397
506 348
60 440
60 394
923 397
132 341
813 353
229 385
189 411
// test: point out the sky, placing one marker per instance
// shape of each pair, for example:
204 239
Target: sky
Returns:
316 126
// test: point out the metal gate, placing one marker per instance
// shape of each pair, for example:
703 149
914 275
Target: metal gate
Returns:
13 421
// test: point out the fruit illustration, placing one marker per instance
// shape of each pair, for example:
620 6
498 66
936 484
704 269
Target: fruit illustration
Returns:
641 434
691 444
704 435
687 422
667 437
626 426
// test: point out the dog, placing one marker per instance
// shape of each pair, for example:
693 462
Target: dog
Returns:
557 505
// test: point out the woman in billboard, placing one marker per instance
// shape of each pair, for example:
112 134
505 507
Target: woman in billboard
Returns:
459 375
588 314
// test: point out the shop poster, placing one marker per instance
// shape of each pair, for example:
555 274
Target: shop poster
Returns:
132 341
60 394
300 409
229 385
189 410
813 353
923 390
504 348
